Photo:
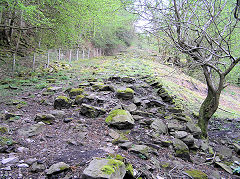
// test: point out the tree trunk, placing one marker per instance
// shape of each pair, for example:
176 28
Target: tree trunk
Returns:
207 109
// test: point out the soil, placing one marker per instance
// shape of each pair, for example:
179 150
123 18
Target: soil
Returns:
83 138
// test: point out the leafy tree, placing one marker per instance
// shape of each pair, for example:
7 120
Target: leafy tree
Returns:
207 32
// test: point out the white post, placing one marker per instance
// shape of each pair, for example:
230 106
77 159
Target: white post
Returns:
83 55
59 54
34 59
70 56
48 59
14 62
89 53
77 53
94 52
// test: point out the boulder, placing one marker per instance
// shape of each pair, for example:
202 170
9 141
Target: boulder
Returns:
141 150
46 118
33 130
159 126
181 149
195 130
104 169
62 102
91 111
57 168
120 119
79 99
136 101
125 93
126 145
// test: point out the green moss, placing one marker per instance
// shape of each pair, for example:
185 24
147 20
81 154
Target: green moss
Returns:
180 152
129 169
76 91
165 165
115 113
6 141
65 98
196 174
3 129
112 166
79 97
127 90
107 169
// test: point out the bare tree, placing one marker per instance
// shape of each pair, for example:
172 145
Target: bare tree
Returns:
207 31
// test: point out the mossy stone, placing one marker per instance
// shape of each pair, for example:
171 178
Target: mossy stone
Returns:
6 141
62 102
196 174
4 129
120 119
126 93
75 92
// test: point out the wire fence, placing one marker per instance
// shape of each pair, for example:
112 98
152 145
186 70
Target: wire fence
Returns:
36 60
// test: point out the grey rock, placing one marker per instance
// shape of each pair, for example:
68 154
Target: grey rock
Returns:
137 118
22 149
131 107
30 161
225 167
140 149
91 111
57 113
159 126
120 119
8 168
126 145
137 101
33 130
195 130
54 89
99 168
154 103
44 117
181 149
225 152
236 148
189 140
125 93
10 160
23 165
175 127
37 167
142 113
62 102
67 120
57 168
215 175
204 145
180 134
112 133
